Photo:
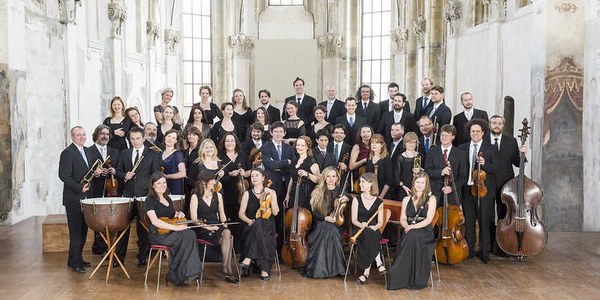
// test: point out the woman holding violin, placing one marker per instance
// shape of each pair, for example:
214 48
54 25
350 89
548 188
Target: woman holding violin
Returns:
184 261
379 163
206 205
325 249
173 162
412 263
306 167
234 181
367 206
360 154
258 210
207 160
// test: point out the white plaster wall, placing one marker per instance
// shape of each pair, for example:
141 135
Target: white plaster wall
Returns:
286 22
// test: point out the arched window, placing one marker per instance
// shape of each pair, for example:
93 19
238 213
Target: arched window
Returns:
197 44
375 45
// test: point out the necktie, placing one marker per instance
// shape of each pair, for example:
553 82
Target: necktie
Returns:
103 152
323 153
279 151
329 106
258 145
336 151
425 102
82 152
364 106
137 156
299 100
496 144
351 121
445 155
396 118
432 112
474 157
426 145
392 146
469 115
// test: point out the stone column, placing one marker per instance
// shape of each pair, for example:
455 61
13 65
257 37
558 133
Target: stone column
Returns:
399 38
242 46
435 63
349 52
331 45
117 16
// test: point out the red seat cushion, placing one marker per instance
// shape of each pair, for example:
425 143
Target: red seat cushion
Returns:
383 241
159 247
204 242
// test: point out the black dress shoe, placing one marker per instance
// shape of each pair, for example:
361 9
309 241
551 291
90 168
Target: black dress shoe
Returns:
485 258
79 269
232 279
142 262
87 264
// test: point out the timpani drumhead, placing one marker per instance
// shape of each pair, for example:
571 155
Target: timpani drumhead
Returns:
111 212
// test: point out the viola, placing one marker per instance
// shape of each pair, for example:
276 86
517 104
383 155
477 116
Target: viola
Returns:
297 222
264 211
340 205
521 232
478 188
172 221
111 184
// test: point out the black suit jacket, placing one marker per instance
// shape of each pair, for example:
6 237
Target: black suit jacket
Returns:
344 151
422 146
337 109
384 106
277 170
419 111
305 110
274 114
507 157
434 163
441 116
490 166
138 185
371 114
324 162
98 183
460 121
407 120
351 132
71 170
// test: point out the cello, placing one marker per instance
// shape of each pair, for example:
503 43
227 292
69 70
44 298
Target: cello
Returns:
521 233
297 222
451 248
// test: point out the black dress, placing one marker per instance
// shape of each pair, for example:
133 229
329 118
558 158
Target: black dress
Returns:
218 132
210 215
306 186
260 240
171 166
404 174
191 173
325 250
231 193
367 244
184 261
292 130
116 141
412 263
211 113
385 173
312 134
160 136
242 121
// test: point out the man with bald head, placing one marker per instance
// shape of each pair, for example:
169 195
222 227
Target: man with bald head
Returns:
335 108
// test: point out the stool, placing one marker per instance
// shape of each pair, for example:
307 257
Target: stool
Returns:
160 250
206 244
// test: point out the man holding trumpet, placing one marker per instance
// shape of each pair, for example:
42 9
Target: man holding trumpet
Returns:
136 164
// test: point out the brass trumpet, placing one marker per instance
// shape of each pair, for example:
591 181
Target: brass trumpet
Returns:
89 176
417 165
436 128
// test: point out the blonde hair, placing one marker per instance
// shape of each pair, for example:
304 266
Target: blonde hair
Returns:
200 159
409 137
378 138
320 198
371 178
426 193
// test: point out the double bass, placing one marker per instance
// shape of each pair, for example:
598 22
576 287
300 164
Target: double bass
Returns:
297 222
451 248
521 233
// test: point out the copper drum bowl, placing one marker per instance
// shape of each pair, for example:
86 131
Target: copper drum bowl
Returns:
178 203
112 212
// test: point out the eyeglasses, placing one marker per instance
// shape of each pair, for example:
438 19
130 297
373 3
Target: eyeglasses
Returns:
425 125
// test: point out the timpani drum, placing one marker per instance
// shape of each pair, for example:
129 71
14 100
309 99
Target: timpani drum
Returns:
112 212
178 204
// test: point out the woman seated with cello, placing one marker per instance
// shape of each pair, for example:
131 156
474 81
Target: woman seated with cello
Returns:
206 205
367 206
412 263
325 250
258 209
184 262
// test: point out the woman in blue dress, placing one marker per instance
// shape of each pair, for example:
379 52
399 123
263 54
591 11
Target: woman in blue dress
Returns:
173 163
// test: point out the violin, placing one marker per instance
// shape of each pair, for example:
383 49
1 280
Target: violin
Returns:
218 185
451 248
297 220
521 233
344 160
111 185
340 205
183 221
264 211
255 157
478 188
242 184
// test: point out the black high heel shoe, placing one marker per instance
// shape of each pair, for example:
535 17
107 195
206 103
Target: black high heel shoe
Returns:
245 270
265 278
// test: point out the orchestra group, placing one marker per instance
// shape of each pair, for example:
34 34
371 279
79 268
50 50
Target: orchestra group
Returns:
273 184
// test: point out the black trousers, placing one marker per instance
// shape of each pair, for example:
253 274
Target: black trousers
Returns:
77 234
501 213
483 213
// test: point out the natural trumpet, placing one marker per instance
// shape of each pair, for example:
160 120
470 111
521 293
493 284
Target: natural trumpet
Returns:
91 172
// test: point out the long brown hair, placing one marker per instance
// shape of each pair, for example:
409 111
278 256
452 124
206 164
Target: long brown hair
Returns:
320 199
378 138
426 192
156 176
371 178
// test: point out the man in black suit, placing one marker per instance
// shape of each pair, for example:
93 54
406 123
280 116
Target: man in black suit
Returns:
335 107
395 148
440 113
426 139
135 184
424 103
436 167
101 151
366 107
323 157
306 103
396 116
460 120
508 155
277 159
480 209
340 149
75 161
256 139
150 132
388 104
274 113
351 121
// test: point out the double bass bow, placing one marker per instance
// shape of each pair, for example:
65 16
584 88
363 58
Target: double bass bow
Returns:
297 222
521 233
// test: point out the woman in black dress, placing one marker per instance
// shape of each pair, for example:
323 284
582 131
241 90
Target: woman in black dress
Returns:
260 244
232 187
325 250
226 125
294 126
184 262
405 163
262 117
207 205
319 113
242 114
118 123
190 154
306 167
207 160
380 164
166 97
210 109
412 263
364 206
133 114
197 120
